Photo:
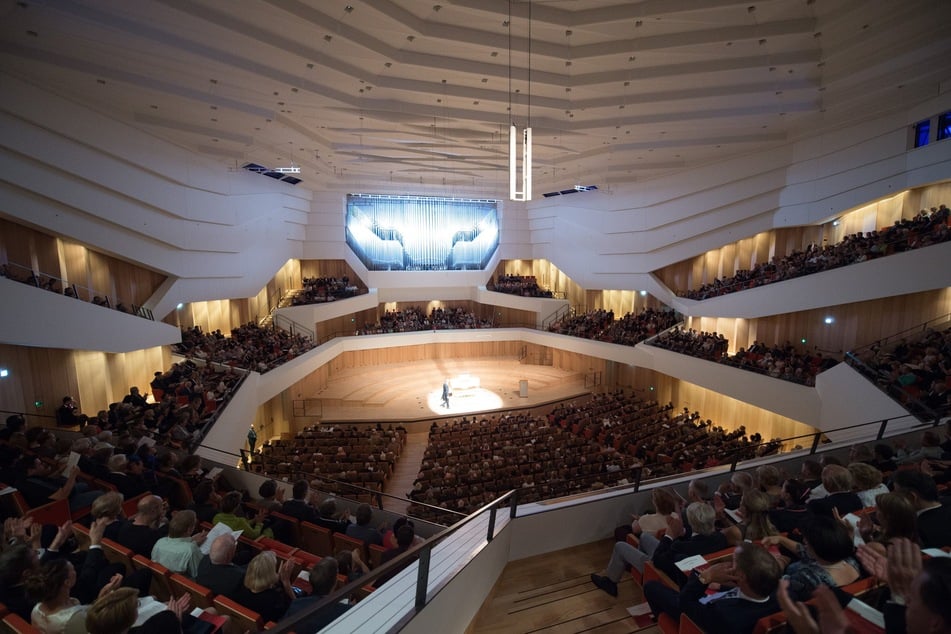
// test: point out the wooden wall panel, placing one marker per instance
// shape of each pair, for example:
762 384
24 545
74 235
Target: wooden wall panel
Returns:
855 325
94 379
92 272
933 196
721 410
725 261
548 277
325 268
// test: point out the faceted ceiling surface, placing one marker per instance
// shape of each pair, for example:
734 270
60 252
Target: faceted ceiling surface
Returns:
417 95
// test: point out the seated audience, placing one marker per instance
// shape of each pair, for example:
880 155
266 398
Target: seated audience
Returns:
895 518
230 517
146 527
323 579
837 481
755 524
825 557
217 570
923 230
791 511
867 482
754 576
266 589
180 552
920 590
934 518
362 529
299 506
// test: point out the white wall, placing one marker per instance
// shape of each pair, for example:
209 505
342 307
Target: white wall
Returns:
222 235
610 239
31 316
218 234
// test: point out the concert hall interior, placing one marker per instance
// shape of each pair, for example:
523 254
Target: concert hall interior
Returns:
739 212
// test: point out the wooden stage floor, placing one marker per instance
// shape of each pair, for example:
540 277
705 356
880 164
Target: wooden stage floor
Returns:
411 391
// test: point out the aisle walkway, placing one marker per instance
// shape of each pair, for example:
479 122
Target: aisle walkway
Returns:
404 473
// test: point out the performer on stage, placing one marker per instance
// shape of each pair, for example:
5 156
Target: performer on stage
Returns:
252 438
445 393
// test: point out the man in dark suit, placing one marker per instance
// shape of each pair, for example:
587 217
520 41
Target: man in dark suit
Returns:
920 599
217 570
146 527
755 574
837 481
300 507
323 579
362 529
934 518
676 544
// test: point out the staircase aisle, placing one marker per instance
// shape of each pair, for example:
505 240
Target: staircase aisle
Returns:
405 472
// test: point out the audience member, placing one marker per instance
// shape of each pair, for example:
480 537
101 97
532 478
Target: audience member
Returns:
229 516
362 529
825 557
323 579
754 574
923 230
266 589
146 527
934 518
837 481
217 570
179 551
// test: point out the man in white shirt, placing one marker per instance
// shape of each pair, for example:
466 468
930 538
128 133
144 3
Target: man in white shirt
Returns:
180 552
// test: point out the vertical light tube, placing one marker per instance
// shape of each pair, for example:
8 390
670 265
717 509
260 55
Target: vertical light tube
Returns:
526 191
513 133
527 166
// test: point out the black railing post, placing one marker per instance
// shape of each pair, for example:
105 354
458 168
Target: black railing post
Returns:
881 430
491 532
513 505
637 479
422 579
815 443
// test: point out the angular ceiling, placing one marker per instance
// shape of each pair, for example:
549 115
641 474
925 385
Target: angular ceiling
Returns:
384 95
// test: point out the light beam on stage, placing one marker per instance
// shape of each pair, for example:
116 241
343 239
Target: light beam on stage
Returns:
467 396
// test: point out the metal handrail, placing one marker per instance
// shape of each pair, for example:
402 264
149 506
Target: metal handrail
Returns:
758 280
423 551
293 327
920 328
60 286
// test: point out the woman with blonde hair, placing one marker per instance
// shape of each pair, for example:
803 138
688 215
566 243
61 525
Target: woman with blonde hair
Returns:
754 512
867 482
109 505
267 589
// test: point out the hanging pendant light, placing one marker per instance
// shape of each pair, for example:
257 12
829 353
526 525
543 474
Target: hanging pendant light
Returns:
525 192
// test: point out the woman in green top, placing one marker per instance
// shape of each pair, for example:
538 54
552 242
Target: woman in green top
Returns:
230 504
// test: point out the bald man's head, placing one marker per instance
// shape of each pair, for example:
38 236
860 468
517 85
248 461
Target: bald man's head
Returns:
222 549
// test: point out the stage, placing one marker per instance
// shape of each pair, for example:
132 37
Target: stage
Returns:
412 391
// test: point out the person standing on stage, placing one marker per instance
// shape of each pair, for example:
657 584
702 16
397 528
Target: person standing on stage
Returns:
445 393
252 438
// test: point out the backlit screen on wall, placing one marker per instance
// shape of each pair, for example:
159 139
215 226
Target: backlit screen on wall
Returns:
417 233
